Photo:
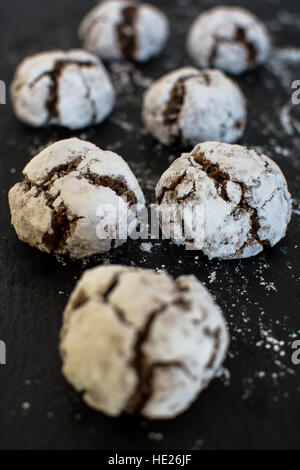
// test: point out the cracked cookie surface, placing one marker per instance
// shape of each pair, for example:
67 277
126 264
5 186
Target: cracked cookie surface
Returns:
65 88
76 200
137 341
188 106
243 195
228 38
119 29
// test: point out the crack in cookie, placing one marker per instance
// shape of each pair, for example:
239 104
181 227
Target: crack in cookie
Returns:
126 31
62 226
175 103
220 179
112 286
90 99
216 336
239 38
254 219
213 170
54 75
62 221
172 187
79 300
59 172
144 369
118 185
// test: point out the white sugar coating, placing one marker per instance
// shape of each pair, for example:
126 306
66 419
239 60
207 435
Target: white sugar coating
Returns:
189 106
76 199
118 29
137 341
244 196
229 38
64 88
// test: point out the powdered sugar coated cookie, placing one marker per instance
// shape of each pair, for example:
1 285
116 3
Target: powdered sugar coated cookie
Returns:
228 38
64 88
124 29
244 196
188 106
137 341
76 200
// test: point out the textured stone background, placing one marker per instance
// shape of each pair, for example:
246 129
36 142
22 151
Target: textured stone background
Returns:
255 403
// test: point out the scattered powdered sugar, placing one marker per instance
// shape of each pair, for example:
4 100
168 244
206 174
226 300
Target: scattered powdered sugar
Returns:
224 375
199 443
289 124
160 269
269 285
147 246
125 76
144 175
268 341
121 76
114 147
285 152
280 64
287 18
122 122
156 436
296 206
26 406
285 119
284 64
289 55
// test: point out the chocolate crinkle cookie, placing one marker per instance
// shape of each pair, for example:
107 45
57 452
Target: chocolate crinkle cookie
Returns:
229 38
243 195
137 341
188 106
124 29
63 88
75 200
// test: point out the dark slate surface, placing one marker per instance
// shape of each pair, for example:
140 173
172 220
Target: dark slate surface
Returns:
255 403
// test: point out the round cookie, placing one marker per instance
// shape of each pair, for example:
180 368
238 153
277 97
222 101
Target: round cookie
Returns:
124 29
188 106
228 38
75 200
137 341
241 197
63 88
